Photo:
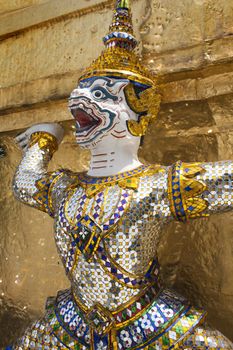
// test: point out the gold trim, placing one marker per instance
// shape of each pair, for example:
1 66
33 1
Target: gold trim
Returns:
113 339
115 278
176 345
53 183
92 189
45 141
189 189
170 196
130 274
101 309
148 103
92 341
189 332
124 306
148 341
115 178
76 260
80 304
121 74
133 300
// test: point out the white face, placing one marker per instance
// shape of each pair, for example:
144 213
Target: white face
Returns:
100 110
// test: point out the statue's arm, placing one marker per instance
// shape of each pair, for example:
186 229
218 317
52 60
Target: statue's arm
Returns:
32 184
200 189
218 178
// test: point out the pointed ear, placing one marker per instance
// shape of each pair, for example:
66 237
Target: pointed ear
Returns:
119 86
146 101
135 101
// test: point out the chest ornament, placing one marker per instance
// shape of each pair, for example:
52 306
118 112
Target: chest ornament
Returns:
92 223
127 180
103 202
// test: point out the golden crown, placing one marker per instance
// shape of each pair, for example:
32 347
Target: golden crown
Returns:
118 59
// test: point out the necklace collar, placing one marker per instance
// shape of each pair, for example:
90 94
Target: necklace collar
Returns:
126 180
96 180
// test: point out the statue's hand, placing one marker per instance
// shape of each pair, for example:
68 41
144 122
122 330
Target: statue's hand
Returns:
53 128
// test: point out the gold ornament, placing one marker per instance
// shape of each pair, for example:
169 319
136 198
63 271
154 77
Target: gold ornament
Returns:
184 191
118 59
44 140
119 62
147 102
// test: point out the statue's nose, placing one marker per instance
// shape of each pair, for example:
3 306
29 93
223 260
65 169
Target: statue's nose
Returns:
74 93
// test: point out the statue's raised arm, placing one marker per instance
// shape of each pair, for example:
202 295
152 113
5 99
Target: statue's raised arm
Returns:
32 183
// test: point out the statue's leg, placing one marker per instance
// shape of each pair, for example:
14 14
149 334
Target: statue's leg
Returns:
205 337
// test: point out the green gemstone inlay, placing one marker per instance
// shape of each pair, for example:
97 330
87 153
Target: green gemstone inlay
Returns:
124 315
143 302
133 309
66 338
165 340
50 316
56 327
179 329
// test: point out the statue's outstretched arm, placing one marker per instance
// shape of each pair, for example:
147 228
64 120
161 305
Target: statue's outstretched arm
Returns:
32 184
200 189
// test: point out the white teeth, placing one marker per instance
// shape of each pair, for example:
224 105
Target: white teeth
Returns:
78 125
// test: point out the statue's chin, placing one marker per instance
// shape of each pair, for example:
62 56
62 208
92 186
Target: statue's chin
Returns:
87 143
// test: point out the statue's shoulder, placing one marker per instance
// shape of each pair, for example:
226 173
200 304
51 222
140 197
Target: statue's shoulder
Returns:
156 170
183 168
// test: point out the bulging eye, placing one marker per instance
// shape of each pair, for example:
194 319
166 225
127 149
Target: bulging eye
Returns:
98 94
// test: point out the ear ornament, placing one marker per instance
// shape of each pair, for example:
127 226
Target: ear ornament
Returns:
146 103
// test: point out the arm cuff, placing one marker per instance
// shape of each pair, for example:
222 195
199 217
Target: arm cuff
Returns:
45 141
184 191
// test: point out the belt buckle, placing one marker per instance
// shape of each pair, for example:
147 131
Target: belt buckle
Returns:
100 319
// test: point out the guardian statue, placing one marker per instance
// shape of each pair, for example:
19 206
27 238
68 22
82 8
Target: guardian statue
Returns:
108 221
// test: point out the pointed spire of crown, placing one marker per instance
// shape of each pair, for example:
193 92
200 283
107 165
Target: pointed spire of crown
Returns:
121 29
118 58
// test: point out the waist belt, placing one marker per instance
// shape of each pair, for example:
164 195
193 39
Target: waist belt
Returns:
102 319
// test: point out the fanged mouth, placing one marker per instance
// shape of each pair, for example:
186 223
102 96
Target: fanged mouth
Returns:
85 118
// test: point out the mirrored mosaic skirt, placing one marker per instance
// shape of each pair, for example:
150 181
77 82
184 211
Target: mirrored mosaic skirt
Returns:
168 322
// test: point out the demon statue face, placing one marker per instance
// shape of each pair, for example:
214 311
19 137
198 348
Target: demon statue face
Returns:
100 110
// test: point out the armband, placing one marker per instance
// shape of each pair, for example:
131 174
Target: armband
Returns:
184 191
